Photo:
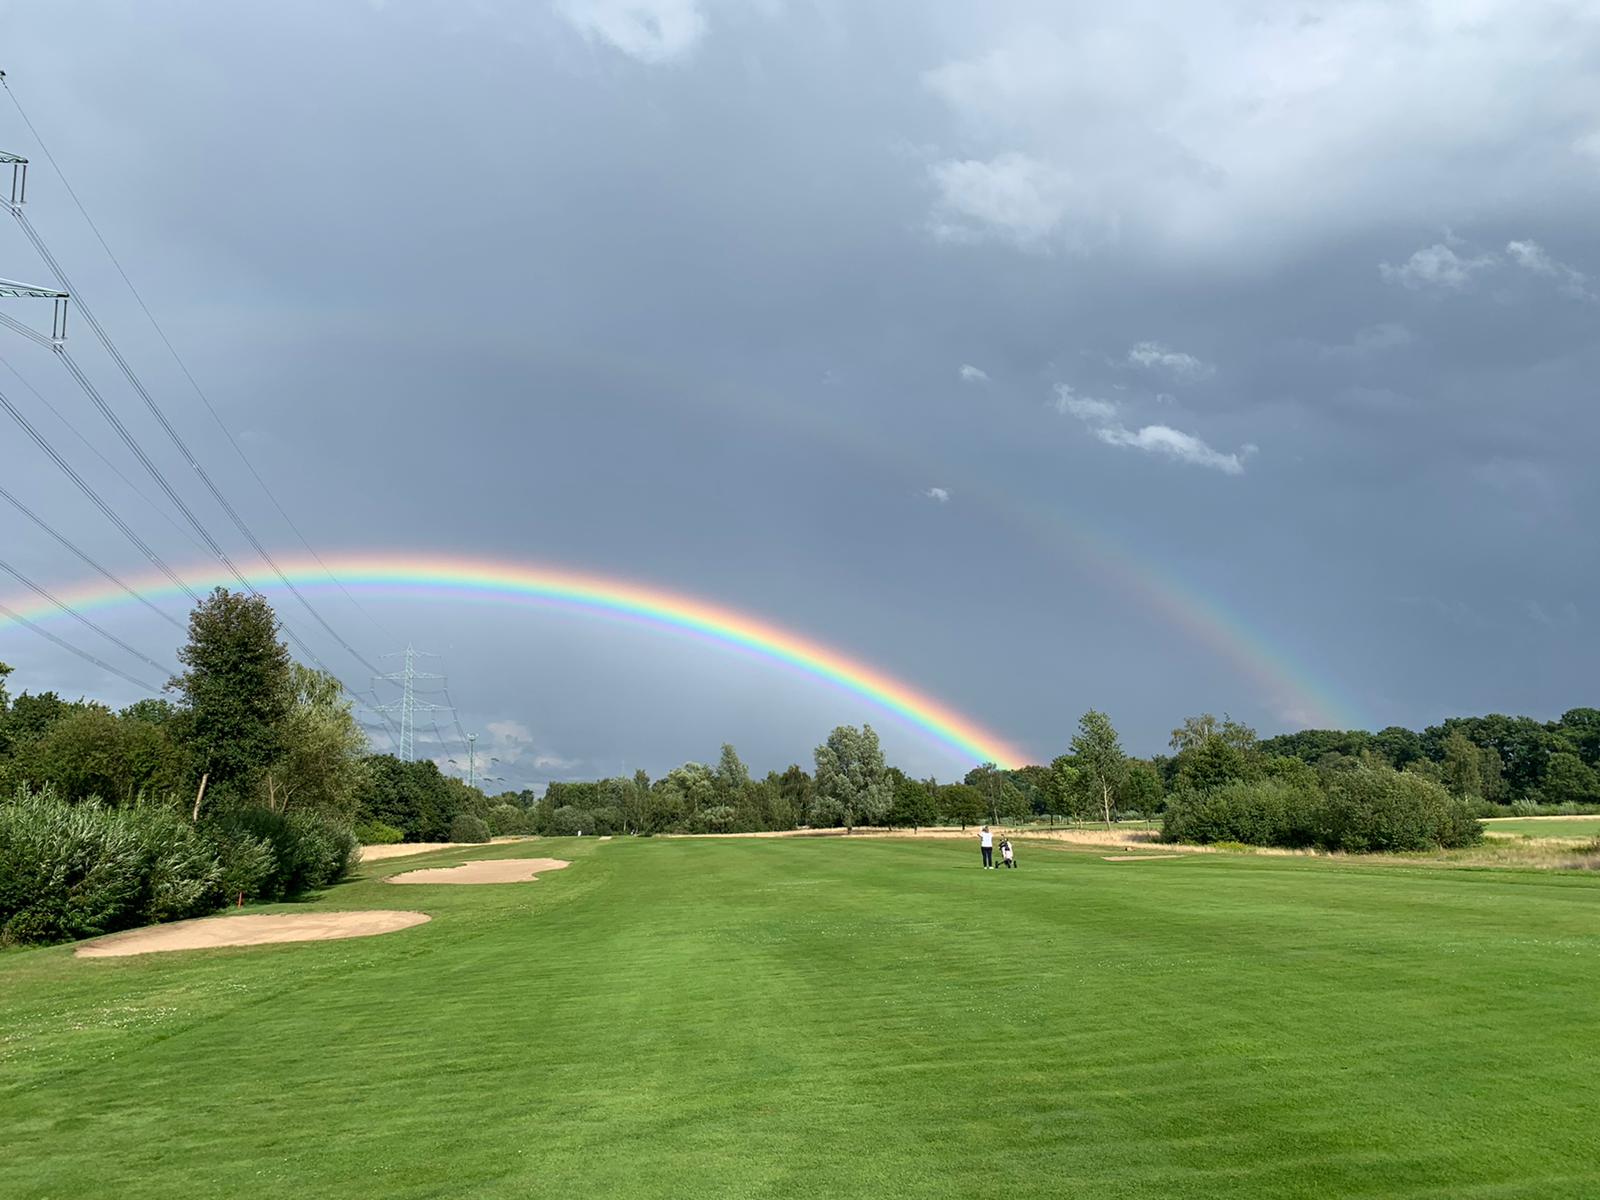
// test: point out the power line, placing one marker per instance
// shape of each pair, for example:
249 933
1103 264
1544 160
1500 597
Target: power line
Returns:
83 555
96 451
182 366
19 619
105 509
79 617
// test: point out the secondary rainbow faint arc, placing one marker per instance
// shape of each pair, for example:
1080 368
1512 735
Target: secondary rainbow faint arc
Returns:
596 594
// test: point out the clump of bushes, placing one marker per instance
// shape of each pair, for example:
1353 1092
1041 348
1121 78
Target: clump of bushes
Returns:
468 828
79 870
376 833
1360 811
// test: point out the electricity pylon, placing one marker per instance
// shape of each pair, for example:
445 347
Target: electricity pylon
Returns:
408 704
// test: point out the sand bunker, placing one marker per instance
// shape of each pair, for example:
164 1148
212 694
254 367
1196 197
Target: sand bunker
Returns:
490 870
1138 857
250 929
406 849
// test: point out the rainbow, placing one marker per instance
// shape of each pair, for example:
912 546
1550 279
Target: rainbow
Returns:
588 594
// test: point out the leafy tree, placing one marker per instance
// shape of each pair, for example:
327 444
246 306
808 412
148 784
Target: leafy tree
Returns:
323 759
1579 727
1461 766
913 805
732 776
795 786
1569 780
1142 790
1102 767
962 803
237 687
852 783
1196 731
90 752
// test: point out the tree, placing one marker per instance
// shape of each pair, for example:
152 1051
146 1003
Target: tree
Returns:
1143 791
1461 766
236 689
795 787
1101 764
852 783
323 758
913 805
1569 780
732 775
961 803
1195 731
1580 727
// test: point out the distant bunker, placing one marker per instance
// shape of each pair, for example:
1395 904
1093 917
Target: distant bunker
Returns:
249 929
487 870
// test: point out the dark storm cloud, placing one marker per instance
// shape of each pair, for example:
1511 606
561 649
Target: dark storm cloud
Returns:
902 325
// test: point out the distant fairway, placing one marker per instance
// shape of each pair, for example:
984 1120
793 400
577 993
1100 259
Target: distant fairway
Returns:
822 1018
1546 827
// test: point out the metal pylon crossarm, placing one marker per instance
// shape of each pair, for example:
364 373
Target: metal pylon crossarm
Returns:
11 288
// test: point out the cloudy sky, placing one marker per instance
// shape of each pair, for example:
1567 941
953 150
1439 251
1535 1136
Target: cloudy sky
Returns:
1157 357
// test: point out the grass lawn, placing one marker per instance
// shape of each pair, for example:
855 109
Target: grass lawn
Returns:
1546 827
821 1018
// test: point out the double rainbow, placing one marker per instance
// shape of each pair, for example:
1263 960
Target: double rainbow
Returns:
594 595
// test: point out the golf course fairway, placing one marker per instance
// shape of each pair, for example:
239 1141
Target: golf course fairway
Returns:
797 1017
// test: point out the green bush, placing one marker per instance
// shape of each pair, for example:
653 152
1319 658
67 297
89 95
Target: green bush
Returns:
467 828
376 833
1267 812
569 820
67 870
1362 810
80 870
308 850
507 820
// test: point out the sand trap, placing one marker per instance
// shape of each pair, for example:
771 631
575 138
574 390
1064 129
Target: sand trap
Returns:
250 929
405 849
489 870
1138 857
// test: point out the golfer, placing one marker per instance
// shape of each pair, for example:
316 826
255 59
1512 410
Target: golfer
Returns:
986 843
1006 856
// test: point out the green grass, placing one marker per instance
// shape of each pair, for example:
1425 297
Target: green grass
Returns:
1546 827
828 1018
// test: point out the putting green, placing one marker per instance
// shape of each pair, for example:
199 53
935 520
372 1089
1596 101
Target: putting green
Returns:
841 1017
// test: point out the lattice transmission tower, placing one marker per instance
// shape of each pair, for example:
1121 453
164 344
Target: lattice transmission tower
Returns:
408 705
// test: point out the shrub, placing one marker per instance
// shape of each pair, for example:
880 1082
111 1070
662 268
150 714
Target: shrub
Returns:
308 850
507 820
1267 812
569 820
376 833
1364 809
1384 810
67 870
468 828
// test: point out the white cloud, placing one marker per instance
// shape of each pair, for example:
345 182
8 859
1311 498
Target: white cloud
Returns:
1013 197
1171 443
1440 267
972 374
1435 266
1531 256
1085 408
1155 356
1162 440
1195 127
937 494
652 31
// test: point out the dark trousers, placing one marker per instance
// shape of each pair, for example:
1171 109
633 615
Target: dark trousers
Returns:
988 856
1011 862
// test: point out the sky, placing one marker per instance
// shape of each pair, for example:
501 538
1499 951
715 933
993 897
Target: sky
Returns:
1158 358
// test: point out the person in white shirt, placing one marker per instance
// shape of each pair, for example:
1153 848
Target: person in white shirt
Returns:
986 843
1006 856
